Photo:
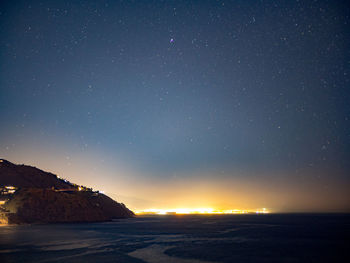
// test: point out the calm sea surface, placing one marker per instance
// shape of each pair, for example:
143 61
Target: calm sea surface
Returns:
219 238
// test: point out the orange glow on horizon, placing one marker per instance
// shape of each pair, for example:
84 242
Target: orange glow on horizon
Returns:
187 211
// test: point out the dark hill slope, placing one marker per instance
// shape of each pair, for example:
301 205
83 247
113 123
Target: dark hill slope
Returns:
32 205
25 176
43 198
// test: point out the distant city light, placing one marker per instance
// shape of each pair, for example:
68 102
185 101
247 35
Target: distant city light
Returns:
184 211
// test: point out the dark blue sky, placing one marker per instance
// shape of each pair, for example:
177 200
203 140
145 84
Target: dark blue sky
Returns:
180 86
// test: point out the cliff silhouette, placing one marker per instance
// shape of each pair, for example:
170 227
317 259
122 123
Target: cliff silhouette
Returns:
30 195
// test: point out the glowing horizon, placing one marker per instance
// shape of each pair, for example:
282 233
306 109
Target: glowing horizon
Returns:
141 190
186 211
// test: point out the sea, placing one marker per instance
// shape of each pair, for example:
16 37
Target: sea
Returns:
184 238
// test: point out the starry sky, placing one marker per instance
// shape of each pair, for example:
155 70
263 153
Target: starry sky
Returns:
225 104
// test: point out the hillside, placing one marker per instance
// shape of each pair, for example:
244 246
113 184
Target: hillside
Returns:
30 195
24 176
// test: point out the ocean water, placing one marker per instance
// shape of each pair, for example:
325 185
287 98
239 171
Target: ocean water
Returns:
187 238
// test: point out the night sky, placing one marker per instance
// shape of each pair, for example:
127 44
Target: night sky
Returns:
224 104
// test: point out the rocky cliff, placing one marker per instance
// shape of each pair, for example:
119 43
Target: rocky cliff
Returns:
42 197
